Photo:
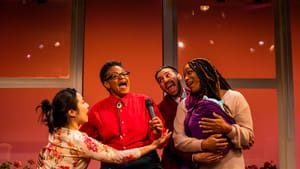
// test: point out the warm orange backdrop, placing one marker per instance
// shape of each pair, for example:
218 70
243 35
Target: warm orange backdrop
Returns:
132 33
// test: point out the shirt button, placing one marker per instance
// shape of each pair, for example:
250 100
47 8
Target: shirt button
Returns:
124 147
122 122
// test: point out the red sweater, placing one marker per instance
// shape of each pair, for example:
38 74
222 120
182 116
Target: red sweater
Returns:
107 123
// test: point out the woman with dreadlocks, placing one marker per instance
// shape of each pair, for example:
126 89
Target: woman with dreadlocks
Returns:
226 127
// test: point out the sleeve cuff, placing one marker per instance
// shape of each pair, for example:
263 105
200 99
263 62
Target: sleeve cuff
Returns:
232 132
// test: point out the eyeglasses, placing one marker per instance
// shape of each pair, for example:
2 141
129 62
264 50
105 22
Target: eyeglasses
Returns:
117 75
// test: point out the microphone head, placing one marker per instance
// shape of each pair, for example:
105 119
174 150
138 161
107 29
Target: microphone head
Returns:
148 102
149 105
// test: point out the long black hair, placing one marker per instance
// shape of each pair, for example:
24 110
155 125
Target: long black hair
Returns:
211 80
55 115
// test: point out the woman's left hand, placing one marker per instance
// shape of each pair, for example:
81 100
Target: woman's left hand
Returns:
214 125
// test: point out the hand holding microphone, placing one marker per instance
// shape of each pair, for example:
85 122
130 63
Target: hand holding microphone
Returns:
155 121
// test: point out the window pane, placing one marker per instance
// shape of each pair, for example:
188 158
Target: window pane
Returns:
230 34
35 38
263 104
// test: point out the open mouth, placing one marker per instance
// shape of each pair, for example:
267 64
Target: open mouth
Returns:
171 87
123 85
189 84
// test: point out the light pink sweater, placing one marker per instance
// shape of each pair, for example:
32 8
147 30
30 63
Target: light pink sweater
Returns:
241 136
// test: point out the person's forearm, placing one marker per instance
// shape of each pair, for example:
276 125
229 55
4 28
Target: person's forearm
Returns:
181 140
186 156
146 149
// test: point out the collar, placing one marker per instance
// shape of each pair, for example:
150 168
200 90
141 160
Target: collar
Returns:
180 98
124 100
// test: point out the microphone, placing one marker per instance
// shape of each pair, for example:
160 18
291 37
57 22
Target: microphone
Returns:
150 108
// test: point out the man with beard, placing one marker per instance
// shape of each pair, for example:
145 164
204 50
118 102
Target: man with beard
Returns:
173 86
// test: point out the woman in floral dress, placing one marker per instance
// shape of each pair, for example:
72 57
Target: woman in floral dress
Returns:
68 148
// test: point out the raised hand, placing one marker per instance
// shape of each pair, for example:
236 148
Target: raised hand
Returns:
162 140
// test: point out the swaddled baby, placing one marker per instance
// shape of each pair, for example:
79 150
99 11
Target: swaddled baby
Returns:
204 108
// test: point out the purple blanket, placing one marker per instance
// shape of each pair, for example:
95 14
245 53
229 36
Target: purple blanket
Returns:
203 108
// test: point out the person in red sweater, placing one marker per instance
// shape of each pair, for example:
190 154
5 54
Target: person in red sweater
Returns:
173 86
122 120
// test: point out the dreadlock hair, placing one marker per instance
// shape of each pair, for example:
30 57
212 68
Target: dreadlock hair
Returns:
211 80
55 115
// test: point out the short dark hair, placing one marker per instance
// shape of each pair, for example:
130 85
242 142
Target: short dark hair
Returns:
106 67
164 67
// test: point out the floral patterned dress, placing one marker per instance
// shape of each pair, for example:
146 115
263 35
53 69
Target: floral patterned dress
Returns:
72 149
